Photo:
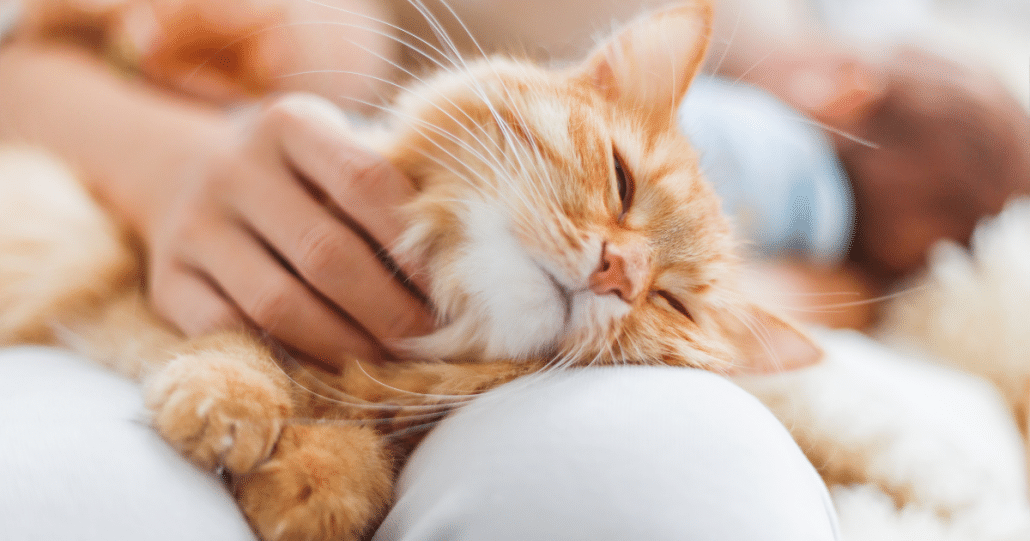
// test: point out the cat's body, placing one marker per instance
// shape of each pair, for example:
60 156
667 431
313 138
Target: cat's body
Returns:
562 221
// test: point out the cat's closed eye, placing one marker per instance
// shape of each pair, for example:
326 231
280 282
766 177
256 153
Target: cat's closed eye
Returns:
625 185
674 303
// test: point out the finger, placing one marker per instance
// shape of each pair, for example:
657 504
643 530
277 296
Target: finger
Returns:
277 302
192 304
332 258
363 184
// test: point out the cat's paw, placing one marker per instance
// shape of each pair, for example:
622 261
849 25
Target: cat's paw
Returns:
323 482
217 410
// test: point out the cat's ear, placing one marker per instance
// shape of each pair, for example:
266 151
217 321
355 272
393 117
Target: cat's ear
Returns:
650 63
766 343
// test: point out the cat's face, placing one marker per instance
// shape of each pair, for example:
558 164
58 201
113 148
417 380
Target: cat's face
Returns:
561 214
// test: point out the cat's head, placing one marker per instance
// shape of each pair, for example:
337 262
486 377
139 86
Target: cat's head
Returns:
562 214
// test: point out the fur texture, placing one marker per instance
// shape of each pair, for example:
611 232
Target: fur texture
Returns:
919 435
563 221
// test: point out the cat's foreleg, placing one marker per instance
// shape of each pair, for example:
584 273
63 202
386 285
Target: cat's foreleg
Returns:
324 481
221 401
224 401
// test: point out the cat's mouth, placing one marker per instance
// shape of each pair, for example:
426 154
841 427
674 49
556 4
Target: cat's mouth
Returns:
564 294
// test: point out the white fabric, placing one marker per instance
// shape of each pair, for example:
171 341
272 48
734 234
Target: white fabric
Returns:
78 461
609 454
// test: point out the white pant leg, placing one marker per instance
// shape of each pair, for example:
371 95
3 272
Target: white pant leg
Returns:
641 454
78 461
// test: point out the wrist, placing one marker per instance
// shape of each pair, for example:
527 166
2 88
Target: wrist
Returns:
177 142
132 144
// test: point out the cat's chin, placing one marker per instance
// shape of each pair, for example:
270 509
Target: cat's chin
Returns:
488 335
552 330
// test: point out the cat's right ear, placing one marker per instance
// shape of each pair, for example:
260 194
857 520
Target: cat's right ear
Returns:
649 64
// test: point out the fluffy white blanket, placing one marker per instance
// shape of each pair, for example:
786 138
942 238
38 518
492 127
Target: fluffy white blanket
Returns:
917 432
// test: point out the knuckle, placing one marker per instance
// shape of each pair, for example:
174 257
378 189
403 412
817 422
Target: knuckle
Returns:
361 171
321 252
293 109
278 112
267 306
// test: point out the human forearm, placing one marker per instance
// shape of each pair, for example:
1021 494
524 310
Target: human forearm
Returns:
130 142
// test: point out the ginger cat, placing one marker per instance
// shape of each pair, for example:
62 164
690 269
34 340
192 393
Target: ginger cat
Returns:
563 222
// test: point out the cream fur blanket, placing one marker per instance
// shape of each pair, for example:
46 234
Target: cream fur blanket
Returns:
916 432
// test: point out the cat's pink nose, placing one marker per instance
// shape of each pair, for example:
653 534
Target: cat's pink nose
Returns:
622 272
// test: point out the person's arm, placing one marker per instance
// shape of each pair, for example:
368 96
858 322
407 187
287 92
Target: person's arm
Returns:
217 201
130 141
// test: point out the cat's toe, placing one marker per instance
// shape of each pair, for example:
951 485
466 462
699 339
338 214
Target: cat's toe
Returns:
322 482
217 411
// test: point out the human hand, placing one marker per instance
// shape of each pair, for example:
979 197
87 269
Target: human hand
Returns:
950 145
225 52
220 51
249 236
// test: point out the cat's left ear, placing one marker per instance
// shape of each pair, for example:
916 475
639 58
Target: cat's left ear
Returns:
766 343
649 64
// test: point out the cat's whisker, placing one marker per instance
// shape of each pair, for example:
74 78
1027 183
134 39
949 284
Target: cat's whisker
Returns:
573 356
874 300
392 414
611 349
850 137
439 32
442 35
383 384
458 175
270 28
474 85
757 63
435 129
515 209
548 182
366 49
402 30
396 85
443 133
518 210
339 397
407 431
801 117
476 186
492 162
728 43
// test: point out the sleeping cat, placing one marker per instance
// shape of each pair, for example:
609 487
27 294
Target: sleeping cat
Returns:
562 221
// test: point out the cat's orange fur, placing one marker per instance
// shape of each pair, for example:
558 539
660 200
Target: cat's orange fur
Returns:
498 138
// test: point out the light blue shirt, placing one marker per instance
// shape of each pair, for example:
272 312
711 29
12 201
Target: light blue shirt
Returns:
777 173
